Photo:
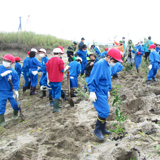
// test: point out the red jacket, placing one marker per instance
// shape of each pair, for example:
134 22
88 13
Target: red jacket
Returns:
54 67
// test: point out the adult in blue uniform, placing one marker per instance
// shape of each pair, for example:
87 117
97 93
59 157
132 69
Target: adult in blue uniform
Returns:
18 66
81 43
103 55
99 85
147 43
154 64
70 51
138 55
115 69
96 51
7 72
83 54
25 70
33 72
44 59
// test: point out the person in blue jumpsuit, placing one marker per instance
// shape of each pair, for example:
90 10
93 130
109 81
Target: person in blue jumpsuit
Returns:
25 70
147 43
158 48
81 43
115 69
75 70
96 51
44 60
123 41
103 55
99 85
6 73
18 66
33 72
138 55
154 59
83 54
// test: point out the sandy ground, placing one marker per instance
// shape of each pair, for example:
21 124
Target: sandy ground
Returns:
66 135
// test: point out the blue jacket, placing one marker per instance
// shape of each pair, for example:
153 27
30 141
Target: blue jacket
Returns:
146 45
158 50
116 68
34 64
80 45
44 61
75 68
100 77
96 51
4 80
25 67
154 57
103 55
82 54
18 68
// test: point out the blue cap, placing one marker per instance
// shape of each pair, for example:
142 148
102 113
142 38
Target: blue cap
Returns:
123 37
82 38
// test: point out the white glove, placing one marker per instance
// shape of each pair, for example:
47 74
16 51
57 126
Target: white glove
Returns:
150 67
5 73
93 96
48 82
42 88
67 67
16 95
34 72
108 94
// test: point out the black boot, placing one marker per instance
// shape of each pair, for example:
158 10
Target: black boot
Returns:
137 70
31 90
43 94
148 82
72 92
29 85
154 79
98 129
104 130
24 88
51 100
34 91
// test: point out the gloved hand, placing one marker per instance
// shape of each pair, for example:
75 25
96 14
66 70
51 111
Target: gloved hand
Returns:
48 82
138 53
34 72
150 67
42 88
66 68
16 95
93 96
5 73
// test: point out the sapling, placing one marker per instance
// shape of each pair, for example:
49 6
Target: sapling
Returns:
119 114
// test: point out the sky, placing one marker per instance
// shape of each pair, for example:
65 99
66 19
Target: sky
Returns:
100 21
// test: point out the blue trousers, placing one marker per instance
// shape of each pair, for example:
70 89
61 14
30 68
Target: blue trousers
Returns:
152 73
34 79
4 95
73 82
101 104
56 89
26 78
84 63
43 80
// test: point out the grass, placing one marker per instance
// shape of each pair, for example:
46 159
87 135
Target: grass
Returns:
31 39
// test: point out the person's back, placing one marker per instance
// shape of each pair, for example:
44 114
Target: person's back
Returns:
75 68
25 67
18 68
34 63
154 57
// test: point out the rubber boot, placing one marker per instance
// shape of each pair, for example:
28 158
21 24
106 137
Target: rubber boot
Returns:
98 129
148 82
137 70
24 88
43 94
104 130
154 79
56 106
72 92
31 90
51 100
29 85
2 121
15 114
34 91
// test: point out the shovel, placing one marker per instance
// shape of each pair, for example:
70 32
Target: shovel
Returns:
70 101
22 116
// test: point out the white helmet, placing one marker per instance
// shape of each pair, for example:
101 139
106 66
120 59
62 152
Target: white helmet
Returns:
33 50
57 50
79 58
42 50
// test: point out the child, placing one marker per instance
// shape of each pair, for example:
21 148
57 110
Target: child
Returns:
70 51
104 53
33 72
75 70
18 66
44 59
6 73
154 64
115 69
55 69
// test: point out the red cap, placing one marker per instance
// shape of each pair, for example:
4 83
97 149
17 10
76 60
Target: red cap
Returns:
116 54
61 49
18 59
28 52
106 49
9 57
152 46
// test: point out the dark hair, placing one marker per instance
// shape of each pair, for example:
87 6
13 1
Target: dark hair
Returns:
56 53
115 61
32 54
74 42
149 37
84 46
17 61
92 45
93 55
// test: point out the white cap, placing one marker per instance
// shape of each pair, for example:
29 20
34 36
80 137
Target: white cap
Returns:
34 50
42 50
79 58
57 50
136 42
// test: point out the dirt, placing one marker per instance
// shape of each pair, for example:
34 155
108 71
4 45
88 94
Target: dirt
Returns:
67 134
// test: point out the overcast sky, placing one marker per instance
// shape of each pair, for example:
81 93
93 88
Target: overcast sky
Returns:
98 20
